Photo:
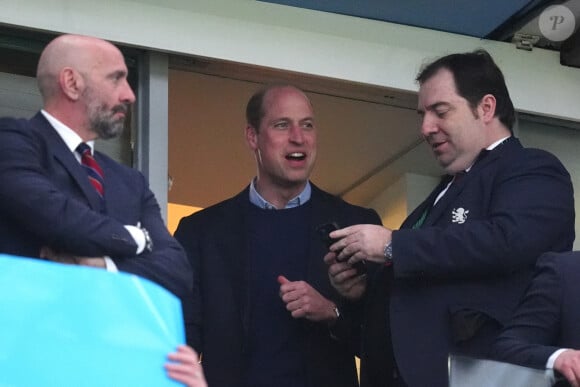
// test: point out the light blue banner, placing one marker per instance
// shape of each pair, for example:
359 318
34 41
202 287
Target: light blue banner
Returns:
64 325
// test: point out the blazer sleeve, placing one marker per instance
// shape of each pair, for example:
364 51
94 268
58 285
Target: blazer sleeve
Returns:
526 207
29 197
530 336
167 263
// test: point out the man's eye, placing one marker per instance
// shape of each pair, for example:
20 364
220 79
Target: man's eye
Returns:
281 125
117 77
441 113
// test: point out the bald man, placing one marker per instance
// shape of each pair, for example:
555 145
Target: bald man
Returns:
59 204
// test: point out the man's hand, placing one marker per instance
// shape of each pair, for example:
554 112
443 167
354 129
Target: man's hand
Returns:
361 242
92 261
344 278
568 364
303 301
50 254
184 367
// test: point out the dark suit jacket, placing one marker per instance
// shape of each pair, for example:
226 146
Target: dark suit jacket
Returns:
215 241
46 199
458 278
548 317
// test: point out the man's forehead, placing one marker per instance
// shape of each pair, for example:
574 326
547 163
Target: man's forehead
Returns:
439 88
109 61
441 80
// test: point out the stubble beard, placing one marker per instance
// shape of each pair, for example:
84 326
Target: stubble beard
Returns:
102 119
104 123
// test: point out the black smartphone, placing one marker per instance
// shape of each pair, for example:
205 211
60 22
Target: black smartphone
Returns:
324 230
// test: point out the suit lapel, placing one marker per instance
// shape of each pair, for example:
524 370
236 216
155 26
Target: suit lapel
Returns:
485 158
69 162
446 200
237 249
63 156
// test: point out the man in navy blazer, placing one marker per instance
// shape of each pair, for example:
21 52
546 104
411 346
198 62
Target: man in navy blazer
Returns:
48 207
267 314
545 329
456 269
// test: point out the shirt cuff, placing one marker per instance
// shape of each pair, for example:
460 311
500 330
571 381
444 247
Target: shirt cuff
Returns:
138 237
110 265
553 357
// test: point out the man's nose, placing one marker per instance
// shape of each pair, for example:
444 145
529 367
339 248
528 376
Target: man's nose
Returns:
128 96
296 134
428 125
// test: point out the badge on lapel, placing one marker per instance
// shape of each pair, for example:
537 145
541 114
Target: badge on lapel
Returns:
459 215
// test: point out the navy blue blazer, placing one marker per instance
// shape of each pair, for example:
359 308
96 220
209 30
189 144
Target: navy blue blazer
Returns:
215 241
458 278
46 199
548 317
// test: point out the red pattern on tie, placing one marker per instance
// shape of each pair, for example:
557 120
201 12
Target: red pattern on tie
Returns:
94 171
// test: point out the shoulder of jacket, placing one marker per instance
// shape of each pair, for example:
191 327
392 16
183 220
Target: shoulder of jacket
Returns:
216 209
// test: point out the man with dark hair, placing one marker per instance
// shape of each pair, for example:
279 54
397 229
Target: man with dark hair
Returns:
456 269
268 315
475 75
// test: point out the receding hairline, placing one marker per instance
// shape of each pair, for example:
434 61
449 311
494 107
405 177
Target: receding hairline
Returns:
277 88
255 108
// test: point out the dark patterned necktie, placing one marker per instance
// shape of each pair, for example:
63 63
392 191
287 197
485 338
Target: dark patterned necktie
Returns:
94 171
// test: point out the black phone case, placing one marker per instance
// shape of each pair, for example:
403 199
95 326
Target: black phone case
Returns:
324 230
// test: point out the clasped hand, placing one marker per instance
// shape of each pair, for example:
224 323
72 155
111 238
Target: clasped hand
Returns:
303 301
50 254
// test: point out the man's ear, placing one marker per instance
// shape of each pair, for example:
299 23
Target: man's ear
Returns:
252 137
71 83
487 108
